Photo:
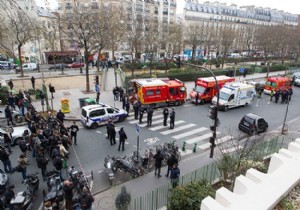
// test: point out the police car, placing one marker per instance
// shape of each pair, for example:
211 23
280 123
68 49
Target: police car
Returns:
96 115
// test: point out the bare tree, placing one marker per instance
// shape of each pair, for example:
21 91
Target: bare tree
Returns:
248 36
227 37
21 28
81 27
152 40
194 36
264 40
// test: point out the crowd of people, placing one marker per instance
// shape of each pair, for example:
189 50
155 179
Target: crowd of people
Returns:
47 140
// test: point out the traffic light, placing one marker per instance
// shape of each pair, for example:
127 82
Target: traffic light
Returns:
213 112
96 79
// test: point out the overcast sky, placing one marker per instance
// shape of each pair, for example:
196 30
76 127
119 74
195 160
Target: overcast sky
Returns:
292 6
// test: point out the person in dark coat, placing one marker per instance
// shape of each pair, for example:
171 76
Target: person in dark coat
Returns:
11 84
136 109
121 92
149 116
197 98
42 163
172 119
58 165
33 82
127 106
8 116
170 162
158 162
8 140
112 134
4 157
277 95
141 113
175 174
290 91
23 147
166 115
8 196
74 129
85 199
122 137
108 128
61 116
11 101
284 96
68 191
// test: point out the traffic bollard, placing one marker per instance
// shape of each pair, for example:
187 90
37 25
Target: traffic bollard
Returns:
183 146
195 147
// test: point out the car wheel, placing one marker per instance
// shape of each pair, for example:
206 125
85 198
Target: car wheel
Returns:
94 125
121 119
19 118
16 141
246 104
202 102
226 108
177 103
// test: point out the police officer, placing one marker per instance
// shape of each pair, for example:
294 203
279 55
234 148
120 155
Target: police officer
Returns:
172 119
112 134
141 113
136 109
166 114
127 106
149 116
197 98
276 95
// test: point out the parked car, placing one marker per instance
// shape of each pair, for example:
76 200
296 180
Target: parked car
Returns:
17 133
296 78
7 65
76 65
253 124
57 66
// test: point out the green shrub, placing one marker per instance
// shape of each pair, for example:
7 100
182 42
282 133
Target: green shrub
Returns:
189 197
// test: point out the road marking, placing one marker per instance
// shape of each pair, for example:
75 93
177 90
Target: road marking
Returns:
91 185
178 129
218 141
154 117
153 123
199 138
186 152
98 132
186 105
162 126
99 172
189 133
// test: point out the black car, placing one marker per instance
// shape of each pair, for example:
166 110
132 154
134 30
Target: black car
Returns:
253 124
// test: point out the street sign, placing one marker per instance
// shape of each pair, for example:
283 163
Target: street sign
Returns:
96 88
137 129
242 70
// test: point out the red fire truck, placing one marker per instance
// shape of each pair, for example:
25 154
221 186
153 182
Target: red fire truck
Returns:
276 83
158 92
206 88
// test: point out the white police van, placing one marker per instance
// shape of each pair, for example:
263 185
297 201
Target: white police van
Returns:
95 115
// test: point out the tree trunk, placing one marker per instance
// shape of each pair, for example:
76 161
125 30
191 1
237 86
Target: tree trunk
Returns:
20 59
193 53
98 60
87 78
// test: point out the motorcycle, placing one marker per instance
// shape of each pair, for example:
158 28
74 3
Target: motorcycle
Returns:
24 199
78 178
126 166
55 188
108 164
3 182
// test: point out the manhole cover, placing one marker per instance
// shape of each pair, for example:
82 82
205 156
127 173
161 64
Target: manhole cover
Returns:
66 93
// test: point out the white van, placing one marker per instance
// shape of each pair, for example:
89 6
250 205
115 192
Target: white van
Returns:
29 66
96 115
235 94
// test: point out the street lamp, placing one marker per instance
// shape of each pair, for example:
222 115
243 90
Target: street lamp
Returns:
214 109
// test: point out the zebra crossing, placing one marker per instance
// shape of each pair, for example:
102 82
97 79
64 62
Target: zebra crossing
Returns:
183 132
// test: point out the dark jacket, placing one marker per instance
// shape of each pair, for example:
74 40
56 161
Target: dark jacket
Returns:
42 162
158 159
175 173
166 112
122 135
171 161
172 116
86 200
58 163
8 112
68 189
4 156
74 129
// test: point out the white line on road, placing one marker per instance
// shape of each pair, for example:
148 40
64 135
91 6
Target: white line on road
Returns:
186 105
98 132
162 126
154 117
178 129
199 138
99 172
218 141
153 123
189 133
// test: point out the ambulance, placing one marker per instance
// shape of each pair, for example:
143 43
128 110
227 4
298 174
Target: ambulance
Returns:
235 94
158 92
276 83
206 88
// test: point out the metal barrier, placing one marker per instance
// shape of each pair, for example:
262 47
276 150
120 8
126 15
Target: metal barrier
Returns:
158 197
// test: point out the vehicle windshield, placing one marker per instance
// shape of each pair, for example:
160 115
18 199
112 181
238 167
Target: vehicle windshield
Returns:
199 89
224 96
83 113
272 84
182 90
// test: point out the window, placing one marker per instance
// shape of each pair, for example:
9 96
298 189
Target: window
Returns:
158 92
97 113
173 91
149 93
111 110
